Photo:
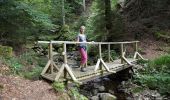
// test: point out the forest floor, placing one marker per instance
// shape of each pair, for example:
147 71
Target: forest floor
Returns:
17 88
150 48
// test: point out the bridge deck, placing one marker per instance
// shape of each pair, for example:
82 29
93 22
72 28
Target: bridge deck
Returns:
90 73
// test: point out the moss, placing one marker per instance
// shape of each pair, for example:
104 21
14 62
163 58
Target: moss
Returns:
137 89
5 51
58 86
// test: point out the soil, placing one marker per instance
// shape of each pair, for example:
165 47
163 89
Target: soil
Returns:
17 88
151 48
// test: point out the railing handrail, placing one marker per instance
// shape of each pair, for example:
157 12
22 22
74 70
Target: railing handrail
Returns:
73 42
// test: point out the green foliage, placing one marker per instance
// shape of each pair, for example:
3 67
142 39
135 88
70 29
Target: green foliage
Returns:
104 26
76 95
141 61
137 89
34 74
58 86
18 20
5 51
161 82
28 65
113 54
161 64
66 34
14 64
156 75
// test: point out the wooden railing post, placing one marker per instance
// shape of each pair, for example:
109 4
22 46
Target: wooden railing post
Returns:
122 53
65 58
136 47
51 56
109 52
100 55
100 51
65 53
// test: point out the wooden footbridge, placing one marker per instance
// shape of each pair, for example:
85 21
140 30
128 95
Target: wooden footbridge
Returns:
64 72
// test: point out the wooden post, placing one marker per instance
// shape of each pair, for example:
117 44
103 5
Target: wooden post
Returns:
100 51
65 58
136 50
122 53
100 55
51 57
109 52
136 47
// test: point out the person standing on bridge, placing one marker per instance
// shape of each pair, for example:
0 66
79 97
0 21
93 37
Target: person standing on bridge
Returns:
82 48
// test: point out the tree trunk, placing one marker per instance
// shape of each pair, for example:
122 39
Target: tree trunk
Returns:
63 12
108 15
84 5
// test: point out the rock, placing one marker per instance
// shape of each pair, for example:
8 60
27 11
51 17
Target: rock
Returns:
101 89
106 96
95 91
111 91
94 98
96 86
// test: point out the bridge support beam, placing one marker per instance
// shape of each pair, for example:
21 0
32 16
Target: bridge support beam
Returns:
123 58
100 60
50 62
66 68
137 54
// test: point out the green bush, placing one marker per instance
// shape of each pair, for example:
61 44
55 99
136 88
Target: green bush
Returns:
156 75
58 86
76 95
14 64
5 51
161 82
161 64
34 74
141 61
113 54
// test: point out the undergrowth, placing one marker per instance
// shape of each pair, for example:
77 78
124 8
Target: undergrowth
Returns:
28 65
156 75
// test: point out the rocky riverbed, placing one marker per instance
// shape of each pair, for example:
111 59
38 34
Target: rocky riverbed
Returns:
115 87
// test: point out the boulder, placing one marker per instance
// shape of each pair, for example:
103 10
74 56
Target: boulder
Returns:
106 96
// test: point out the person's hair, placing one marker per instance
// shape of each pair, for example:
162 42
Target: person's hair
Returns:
82 27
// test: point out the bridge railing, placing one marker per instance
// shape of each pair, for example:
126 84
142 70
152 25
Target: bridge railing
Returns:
65 67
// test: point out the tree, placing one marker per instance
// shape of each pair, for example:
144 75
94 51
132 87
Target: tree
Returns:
19 20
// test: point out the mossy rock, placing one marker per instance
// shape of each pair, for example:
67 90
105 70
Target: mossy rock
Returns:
5 51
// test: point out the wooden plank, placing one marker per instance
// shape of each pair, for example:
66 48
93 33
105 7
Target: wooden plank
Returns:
71 73
61 70
97 65
46 67
90 69
72 42
90 73
109 52
106 67
51 77
55 65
